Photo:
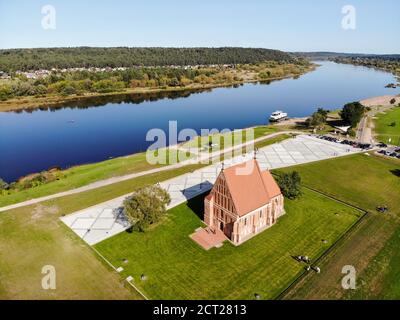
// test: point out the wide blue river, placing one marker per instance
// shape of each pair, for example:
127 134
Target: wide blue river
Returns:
94 130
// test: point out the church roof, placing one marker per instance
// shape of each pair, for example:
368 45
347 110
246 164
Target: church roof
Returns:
250 187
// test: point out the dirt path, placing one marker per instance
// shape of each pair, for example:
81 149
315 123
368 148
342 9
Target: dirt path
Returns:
365 130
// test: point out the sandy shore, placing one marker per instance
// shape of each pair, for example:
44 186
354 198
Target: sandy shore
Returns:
380 101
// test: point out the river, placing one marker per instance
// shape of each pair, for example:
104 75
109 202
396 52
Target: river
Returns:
98 129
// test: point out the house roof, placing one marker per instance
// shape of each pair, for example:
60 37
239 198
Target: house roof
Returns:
250 187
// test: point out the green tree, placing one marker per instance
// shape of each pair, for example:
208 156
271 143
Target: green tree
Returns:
318 118
146 206
352 113
290 184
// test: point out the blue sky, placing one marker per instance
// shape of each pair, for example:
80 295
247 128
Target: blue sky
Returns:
290 25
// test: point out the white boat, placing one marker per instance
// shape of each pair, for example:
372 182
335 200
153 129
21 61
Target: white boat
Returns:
278 115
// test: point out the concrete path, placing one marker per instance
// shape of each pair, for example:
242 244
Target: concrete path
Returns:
102 183
96 223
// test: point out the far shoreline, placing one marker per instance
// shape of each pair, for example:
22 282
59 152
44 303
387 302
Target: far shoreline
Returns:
33 103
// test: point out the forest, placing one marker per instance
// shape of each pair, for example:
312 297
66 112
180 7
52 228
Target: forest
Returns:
12 60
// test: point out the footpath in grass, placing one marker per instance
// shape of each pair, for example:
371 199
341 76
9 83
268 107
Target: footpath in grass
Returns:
372 248
387 126
177 268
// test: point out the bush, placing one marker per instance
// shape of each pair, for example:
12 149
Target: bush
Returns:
146 206
393 101
290 184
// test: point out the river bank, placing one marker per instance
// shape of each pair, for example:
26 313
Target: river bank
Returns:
31 102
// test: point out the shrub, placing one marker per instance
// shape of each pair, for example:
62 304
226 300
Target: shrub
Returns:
290 184
146 206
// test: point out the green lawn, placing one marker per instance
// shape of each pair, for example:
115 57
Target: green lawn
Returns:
385 130
33 236
372 248
177 268
363 180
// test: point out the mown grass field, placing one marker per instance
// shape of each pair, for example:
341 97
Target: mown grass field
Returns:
372 247
178 268
33 236
384 128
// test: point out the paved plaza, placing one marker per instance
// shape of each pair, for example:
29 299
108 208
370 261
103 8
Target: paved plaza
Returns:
106 219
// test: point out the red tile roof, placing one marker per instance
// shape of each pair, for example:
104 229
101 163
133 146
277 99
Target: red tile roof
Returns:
250 187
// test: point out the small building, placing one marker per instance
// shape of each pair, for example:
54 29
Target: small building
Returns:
243 202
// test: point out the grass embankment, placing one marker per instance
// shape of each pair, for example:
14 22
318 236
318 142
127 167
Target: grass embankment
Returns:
82 175
79 176
33 236
178 268
372 247
387 126
229 139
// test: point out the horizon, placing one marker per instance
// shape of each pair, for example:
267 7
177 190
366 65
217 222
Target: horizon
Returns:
286 26
216 47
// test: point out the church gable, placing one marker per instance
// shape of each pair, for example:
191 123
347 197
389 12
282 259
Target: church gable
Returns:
222 195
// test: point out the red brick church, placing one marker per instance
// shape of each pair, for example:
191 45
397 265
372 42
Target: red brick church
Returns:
243 202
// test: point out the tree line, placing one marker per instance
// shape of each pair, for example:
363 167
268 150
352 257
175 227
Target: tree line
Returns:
82 82
390 63
62 58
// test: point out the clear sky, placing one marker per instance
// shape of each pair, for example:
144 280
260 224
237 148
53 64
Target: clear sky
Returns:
289 25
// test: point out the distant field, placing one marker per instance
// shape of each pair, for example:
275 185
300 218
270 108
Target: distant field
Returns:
384 128
177 268
372 248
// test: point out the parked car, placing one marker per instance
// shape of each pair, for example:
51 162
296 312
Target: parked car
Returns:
382 145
